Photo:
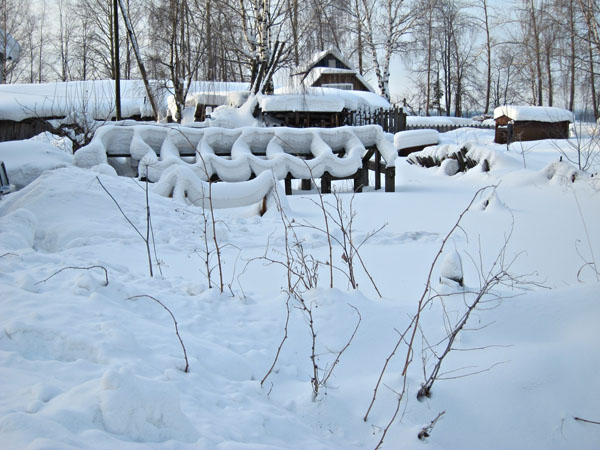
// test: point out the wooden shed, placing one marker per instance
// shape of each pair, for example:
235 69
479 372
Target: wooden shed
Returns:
530 123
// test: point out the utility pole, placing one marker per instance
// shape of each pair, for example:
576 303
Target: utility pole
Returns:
117 68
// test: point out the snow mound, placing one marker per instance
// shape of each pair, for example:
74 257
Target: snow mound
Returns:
415 138
27 160
451 271
183 184
467 156
142 409
561 172
17 230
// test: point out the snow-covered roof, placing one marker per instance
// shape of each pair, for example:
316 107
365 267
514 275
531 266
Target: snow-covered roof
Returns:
94 98
309 99
534 113
319 56
233 98
299 102
9 47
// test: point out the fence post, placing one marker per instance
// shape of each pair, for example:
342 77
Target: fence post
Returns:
326 183
377 170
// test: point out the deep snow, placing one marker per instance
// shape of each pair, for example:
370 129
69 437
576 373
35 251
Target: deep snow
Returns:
84 367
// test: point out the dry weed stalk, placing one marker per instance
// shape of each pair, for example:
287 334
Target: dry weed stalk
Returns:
408 335
78 268
498 274
426 430
302 276
187 365
344 222
149 233
213 222
413 326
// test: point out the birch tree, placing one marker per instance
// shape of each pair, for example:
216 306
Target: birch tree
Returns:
263 29
387 25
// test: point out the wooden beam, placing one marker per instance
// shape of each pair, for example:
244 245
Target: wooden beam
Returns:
288 184
390 179
326 183
377 170
358 180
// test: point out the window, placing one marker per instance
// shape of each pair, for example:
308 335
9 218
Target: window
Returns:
343 86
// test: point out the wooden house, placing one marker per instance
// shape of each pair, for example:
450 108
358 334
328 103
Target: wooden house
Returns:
530 123
330 69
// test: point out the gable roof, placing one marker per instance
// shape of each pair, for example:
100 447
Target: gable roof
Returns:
312 71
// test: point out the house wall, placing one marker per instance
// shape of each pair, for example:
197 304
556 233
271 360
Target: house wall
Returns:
328 78
25 129
531 131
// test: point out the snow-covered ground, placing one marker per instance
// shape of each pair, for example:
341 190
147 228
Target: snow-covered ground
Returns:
85 365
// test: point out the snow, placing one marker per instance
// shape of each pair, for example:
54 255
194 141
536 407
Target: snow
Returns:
317 98
85 365
26 160
437 121
94 98
235 154
299 102
534 113
415 138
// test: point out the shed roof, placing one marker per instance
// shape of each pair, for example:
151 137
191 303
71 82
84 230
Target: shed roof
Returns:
534 113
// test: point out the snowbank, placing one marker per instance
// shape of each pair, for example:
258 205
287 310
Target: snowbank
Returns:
85 366
27 160
415 138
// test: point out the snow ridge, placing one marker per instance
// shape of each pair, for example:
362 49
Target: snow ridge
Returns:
235 154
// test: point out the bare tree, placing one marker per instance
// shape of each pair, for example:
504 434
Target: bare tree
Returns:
265 38
12 36
387 25
177 45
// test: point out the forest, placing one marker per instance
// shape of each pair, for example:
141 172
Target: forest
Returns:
457 57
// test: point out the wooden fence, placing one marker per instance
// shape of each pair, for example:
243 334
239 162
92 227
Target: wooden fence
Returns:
445 128
391 120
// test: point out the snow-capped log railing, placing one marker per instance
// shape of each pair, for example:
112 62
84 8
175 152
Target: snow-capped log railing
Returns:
243 153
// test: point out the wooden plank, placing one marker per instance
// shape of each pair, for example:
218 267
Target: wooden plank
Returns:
288 184
377 170
326 183
358 181
390 179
